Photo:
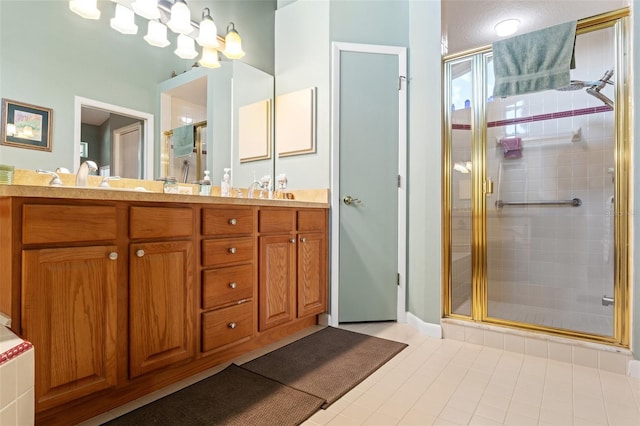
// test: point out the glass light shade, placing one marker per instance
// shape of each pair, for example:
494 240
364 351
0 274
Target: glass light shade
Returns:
506 28
232 43
146 8
124 20
157 34
209 58
85 8
180 21
186 48
208 36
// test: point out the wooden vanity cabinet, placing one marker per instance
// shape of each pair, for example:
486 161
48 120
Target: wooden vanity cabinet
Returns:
161 288
69 299
293 265
228 277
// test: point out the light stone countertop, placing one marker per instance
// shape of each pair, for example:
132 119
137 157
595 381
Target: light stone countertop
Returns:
126 194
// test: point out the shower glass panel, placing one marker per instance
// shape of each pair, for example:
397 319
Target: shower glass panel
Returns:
461 91
549 221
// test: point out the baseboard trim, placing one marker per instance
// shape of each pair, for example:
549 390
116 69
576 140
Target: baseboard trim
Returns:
426 328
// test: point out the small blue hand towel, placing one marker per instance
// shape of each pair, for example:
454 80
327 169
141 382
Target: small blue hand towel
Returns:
182 141
511 148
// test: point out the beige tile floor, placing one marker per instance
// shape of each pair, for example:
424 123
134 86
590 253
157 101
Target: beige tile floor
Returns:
449 382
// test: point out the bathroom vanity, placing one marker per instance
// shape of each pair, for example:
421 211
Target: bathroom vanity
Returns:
122 292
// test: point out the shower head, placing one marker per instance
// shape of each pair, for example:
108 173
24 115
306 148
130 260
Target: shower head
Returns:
593 87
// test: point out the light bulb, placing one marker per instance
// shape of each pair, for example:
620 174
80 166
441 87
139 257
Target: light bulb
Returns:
208 36
180 21
124 20
146 8
233 43
186 49
85 8
209 58
157 34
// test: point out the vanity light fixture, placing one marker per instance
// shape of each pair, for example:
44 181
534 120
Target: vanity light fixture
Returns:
506 27
146 8
157 34
180 21
209 58
88 9
124 20
174 14
186 49
232 43
208 36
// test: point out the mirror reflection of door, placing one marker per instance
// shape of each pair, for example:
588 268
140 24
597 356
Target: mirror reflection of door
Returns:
113 141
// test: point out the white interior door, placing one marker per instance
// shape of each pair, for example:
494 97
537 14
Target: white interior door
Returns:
127 158
369 202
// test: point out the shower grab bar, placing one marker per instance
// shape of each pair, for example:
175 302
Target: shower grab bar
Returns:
573 203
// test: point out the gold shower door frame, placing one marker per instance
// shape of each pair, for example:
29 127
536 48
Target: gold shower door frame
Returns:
480 186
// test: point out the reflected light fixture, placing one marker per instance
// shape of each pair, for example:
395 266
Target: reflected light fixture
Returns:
11 129
86 8
146 8
180 21
506 27
186 49
208 36
124 20
209 58
157 34
232 43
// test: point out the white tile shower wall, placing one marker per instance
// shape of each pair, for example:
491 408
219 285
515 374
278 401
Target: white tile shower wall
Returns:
17 396
559 258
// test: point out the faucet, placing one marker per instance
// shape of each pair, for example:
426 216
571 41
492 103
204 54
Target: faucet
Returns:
106 179
55 179
83 172
262 184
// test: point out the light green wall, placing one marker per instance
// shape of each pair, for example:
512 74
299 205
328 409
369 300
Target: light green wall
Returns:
53 55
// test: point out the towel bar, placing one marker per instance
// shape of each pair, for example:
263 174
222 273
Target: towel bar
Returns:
573 203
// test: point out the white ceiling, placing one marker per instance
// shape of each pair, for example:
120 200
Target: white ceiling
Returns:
468 24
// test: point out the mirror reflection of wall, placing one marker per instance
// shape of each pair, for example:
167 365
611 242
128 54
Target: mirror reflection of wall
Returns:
114 142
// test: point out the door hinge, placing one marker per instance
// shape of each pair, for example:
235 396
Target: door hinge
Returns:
399 181
400 80
398 279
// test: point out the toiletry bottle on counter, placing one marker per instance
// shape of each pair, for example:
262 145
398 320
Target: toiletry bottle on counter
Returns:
225 185
205 184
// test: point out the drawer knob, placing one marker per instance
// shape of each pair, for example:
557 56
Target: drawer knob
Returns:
232 221
232 250
232 325
293 240
303 239
113 255
140 253
233 285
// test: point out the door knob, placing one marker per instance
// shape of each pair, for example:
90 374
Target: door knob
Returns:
140 253
348 200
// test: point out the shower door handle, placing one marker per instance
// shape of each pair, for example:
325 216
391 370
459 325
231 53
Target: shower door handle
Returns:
487 186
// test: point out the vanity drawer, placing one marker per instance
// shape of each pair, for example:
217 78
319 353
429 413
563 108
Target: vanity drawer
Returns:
42 223
227 251
160 222
226 285
226 326
276 220
227 221
312 220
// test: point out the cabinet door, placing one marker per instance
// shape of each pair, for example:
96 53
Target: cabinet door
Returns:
312 278
161 305
69 314
277 280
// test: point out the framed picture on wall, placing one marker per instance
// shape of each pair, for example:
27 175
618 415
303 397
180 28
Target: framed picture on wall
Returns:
26 126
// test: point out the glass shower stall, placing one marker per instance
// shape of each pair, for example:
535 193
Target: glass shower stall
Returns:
536 190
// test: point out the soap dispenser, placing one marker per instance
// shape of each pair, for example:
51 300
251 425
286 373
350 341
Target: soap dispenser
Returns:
225 185
205 184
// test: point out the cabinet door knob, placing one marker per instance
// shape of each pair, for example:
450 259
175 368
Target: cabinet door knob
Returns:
113 255
232 221
233 285
232 250
140 253
293 240
231 325
303 239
